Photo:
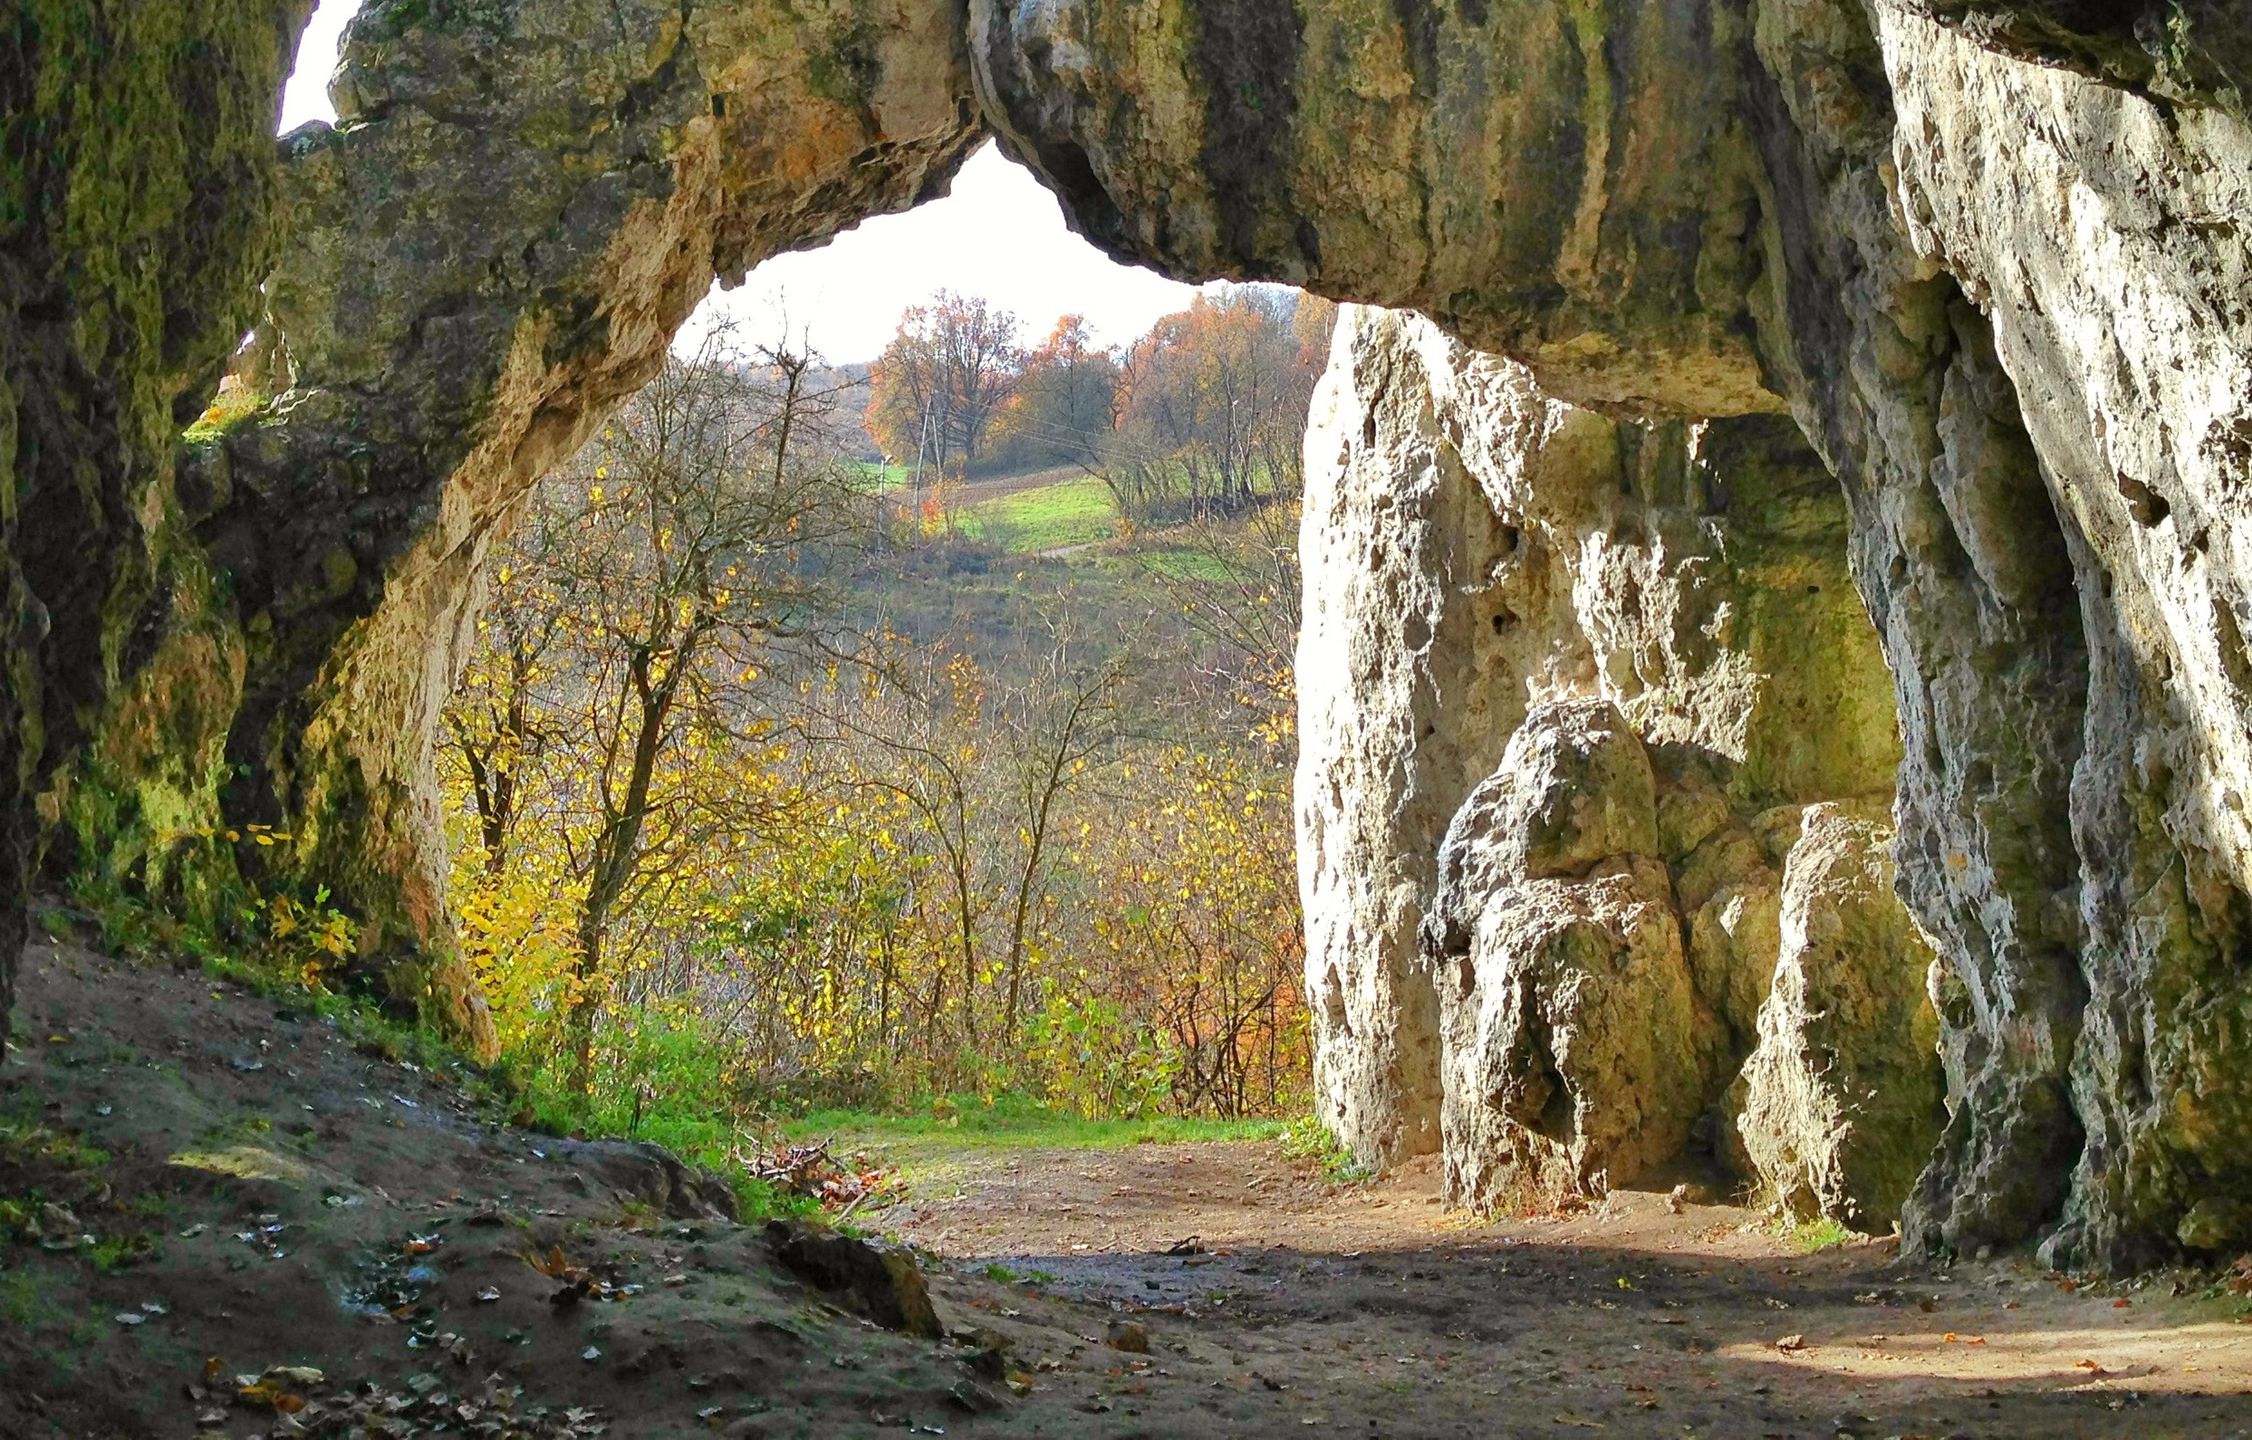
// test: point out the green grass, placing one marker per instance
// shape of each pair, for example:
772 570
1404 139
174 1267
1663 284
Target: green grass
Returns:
1809 1236
880 477
1014 1123
1175 563
1045 517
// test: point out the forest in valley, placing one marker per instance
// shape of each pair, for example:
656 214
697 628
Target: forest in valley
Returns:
905 735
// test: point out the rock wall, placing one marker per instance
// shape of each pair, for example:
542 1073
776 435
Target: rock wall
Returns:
136 180
1568 683
2107 240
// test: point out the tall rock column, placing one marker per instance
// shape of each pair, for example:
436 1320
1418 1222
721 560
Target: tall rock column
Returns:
1552 971
1430 623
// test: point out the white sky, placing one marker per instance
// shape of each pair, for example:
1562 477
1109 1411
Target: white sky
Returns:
999 234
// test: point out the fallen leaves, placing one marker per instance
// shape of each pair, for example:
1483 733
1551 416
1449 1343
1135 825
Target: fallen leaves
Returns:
812 1171
578 1282
309 1405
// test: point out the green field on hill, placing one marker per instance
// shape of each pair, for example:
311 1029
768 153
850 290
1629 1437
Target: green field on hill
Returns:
1077 511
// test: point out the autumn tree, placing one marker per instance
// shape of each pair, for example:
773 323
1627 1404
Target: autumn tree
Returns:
650 582
945 375
1211 406
1060 412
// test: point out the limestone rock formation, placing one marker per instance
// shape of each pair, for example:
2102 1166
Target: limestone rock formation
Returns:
1572 1049
1567 684
136 190
1989 255
1572 184
2109 244
1841 1100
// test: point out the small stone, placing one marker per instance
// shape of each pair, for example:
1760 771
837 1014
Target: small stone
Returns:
1129 1336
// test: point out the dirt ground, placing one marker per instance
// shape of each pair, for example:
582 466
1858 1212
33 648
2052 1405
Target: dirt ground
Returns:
267 1195
1370 1311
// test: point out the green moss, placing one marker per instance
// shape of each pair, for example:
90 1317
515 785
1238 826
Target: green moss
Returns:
116 1252
229 412
26 1147
1810 1236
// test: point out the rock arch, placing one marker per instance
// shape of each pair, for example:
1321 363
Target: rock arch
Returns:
1990 256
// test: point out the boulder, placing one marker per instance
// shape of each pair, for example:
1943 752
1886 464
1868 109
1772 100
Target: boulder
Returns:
1574 1048
1575 1055
875 1277
1842 1099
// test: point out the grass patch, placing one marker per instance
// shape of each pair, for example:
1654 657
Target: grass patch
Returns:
1172 562
28 1146
1810 1236
1045 517
1014 1123
1312 1142
880 478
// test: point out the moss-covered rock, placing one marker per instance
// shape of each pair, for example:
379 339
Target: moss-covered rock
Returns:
136 189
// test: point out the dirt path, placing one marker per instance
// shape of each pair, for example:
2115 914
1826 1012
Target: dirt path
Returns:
1369 1311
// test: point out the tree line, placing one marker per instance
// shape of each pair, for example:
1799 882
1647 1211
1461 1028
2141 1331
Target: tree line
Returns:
1202 416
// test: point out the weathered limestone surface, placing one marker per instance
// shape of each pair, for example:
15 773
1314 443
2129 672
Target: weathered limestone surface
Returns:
136 183
1841 1100
1574 1047
1571 184
2107 238
1566 684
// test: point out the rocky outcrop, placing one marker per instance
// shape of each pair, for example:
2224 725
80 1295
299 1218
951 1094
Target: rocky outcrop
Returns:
1567 684
136 187
2108 242
1988 254
1573 1048
1841 1101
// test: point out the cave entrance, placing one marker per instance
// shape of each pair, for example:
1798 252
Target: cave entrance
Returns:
1651 621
